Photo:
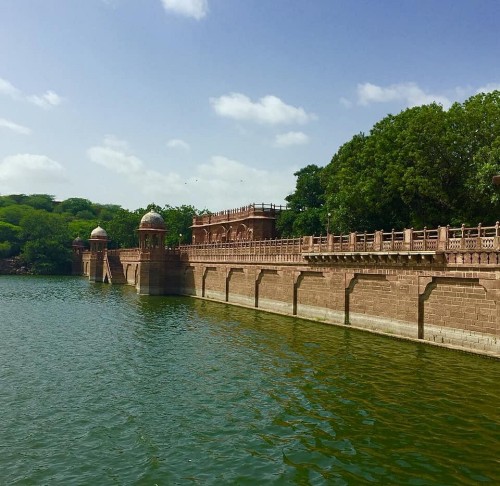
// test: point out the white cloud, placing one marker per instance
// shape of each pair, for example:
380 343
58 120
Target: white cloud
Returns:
14 127
488 88
196 9
47 100
269 109
408 93
177 143
228 183
115 157
345 102
115 160
220 183
30 173
7 89
115 142
291 138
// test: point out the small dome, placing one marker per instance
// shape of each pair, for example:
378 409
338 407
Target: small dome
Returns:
152 220
98 233
78 242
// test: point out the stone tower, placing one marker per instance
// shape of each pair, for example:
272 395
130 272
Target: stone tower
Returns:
78 247
98 244
151 278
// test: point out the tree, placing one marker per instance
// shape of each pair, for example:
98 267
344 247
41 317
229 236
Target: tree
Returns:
40 201
423 167
73 205
47 247
305 214
178 221
9 239
122 229
14 213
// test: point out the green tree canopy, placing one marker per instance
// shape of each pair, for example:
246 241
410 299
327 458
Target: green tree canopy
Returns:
423 167
74 205
47 248
305 214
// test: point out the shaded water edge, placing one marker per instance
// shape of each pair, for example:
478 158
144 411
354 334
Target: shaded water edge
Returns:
488 353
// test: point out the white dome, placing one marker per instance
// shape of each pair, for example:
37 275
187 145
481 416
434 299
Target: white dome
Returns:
152 220
99 233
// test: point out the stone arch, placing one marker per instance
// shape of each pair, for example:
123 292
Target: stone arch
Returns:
221 234
189 280
241 232
369 296
422 297
451 305
232 274
308 297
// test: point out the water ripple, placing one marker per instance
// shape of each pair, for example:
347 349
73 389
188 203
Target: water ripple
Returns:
101 386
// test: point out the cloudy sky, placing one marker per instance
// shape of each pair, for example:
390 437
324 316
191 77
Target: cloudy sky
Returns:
216 103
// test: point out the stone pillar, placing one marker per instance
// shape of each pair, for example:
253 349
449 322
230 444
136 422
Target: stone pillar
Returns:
352 241
408 239
442 238
152 255
151 275
77 263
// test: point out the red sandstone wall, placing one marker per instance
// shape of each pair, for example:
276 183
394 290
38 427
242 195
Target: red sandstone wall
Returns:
461 304
275 290
321 295
241 286
215 283
386 300
372 295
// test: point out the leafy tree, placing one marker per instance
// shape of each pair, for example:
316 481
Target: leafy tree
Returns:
306 212
122 229
6 249
40 201
85 214
73 205
105 212
81 228
6 201
178 221
9 239
423 167
13 214
48 243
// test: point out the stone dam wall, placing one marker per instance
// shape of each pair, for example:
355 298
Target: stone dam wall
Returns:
444 291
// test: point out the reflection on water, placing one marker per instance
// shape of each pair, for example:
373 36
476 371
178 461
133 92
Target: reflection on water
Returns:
99 385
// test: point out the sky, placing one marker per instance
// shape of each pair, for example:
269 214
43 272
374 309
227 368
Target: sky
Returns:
216 103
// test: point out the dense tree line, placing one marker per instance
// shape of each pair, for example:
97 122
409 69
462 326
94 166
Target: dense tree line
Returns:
426 166
39 230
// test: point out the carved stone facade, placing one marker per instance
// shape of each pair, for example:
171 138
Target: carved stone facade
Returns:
253 222
440 286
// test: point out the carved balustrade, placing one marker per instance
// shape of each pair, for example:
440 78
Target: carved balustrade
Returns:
426 241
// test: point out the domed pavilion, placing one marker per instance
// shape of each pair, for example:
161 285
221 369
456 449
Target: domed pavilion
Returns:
152 231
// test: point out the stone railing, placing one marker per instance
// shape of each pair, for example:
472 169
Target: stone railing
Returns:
462 241
444 238
251 210
126 254
282 250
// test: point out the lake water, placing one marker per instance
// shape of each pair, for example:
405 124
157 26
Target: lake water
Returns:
101 386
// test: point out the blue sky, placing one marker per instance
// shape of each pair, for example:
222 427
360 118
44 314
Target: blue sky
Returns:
216 103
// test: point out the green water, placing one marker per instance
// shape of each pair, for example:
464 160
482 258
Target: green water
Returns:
101 386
